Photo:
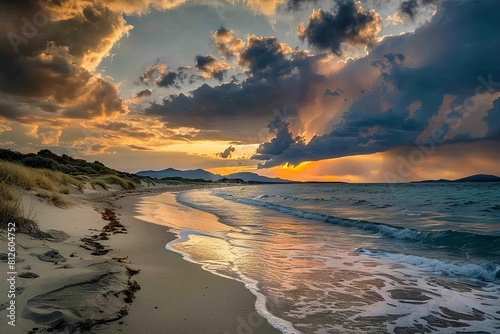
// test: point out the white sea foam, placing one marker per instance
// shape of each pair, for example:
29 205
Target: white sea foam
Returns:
282 325
309 275
486 273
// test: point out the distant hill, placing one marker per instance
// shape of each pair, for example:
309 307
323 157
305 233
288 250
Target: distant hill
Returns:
252 177
186 174
472 178
203 174
479 178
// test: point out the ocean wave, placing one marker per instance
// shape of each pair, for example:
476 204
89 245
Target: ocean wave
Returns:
452 239
489 272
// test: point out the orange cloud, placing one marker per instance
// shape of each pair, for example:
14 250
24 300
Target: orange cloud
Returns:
362 168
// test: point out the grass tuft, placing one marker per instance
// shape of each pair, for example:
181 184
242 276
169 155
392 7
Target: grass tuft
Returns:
103 181
53 197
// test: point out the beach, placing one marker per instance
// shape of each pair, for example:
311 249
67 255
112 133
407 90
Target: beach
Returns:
351 258
309 258
136 286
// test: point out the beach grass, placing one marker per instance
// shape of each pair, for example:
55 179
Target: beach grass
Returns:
29 178
11 211
52 185
106 180
10 205
53 197
47 184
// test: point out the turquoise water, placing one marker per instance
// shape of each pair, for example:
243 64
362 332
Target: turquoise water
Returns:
344 258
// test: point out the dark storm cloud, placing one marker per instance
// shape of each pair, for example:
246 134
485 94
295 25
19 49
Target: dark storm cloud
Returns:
230 108
348 24
280 143
276 76
464 65
410 8
266 58
226 153
46 62
50 75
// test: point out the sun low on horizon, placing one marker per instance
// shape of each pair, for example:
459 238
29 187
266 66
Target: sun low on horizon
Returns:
326 90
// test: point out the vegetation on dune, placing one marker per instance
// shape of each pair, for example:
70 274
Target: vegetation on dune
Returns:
63 163
53 197
67 170
29 178
11 211
50 177
103 181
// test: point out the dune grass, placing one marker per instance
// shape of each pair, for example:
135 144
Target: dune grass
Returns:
11 211
29 178
47 184
10 205
53 197
106 180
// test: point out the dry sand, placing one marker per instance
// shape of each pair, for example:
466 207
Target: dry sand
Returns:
74 286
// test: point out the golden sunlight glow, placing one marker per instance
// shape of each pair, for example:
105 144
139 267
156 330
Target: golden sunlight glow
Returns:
360 168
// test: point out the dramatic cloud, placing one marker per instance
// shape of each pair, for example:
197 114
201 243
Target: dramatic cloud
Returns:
410 8
226 153
88 29
55 85
280 143
48 52
226 43
276 76
211 67
349 24
265 57
412 86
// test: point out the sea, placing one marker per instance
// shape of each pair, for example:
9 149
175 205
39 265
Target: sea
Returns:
355 258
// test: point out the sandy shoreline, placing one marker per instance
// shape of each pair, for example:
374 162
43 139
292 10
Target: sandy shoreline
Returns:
175 296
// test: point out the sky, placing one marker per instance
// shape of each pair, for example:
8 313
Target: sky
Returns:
327 90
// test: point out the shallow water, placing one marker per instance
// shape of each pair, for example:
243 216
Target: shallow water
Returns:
340 258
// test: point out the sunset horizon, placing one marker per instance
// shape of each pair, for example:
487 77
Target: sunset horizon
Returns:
250 166
255 86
